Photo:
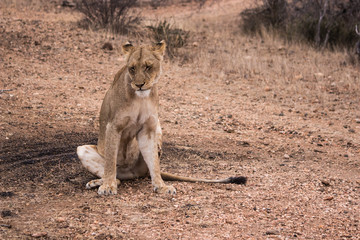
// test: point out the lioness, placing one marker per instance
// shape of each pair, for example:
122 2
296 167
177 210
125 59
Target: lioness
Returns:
129 143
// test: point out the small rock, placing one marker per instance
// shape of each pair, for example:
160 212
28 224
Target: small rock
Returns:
325 183
357 120
229 130
272 232
299 77
39 234
68 4
244 143
286 156
319 74
195 44
60 219
267 89
329 198
107 46
6 213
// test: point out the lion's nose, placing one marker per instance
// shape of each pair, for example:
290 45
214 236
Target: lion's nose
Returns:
140 85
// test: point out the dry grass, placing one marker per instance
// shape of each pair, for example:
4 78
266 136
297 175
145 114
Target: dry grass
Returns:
29 4
297 69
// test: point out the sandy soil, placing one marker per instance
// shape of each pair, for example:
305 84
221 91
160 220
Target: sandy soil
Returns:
301 157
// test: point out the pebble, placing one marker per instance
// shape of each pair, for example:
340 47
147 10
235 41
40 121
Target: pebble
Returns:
357 120
319 74
107 46
60 219
286 156
329 198
39 234
299 77
325 183
272 232
6 213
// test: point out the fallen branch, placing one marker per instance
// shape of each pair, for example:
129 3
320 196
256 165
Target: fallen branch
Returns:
5 90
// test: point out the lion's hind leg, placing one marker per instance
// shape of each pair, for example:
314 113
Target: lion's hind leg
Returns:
91 159
94 163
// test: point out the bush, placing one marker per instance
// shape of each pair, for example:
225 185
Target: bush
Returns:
162 3
272 13
174 37
109 14
323 23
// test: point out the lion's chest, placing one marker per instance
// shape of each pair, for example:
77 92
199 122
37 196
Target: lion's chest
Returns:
141 119
140 115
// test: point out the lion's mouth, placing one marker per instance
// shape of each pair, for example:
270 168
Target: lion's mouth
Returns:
143 92
141 89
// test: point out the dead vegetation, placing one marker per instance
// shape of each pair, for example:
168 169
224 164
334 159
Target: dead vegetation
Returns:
321 23
173 36
117 16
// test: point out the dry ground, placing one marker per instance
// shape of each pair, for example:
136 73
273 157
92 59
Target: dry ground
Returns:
282 115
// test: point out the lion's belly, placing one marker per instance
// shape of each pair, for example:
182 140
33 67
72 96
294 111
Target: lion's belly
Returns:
129 152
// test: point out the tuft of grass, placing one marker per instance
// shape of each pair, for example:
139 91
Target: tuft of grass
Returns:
174 37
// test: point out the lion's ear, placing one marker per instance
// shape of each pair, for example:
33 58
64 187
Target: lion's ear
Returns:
160 47
127 48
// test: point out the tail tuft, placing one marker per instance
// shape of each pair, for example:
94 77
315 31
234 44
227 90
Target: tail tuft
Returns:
237 180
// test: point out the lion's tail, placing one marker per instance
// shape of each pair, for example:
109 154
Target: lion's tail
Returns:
172 177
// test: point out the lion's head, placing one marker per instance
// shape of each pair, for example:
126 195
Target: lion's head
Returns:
143 66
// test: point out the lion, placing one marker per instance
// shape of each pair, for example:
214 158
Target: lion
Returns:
130 137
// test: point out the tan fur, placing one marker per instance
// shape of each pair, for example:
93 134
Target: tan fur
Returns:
129 144
130 132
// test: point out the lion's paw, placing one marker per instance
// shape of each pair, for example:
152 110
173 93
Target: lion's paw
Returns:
94 183
168 189
108 189
97 182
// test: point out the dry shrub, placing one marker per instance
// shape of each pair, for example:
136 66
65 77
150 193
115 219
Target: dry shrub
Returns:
322 23
162 3
271 13
174 37
114 15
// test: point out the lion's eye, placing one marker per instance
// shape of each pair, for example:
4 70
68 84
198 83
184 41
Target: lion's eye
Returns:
132 69
148 68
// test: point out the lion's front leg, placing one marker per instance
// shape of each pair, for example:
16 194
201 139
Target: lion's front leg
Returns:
159 138
112 141
148 145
